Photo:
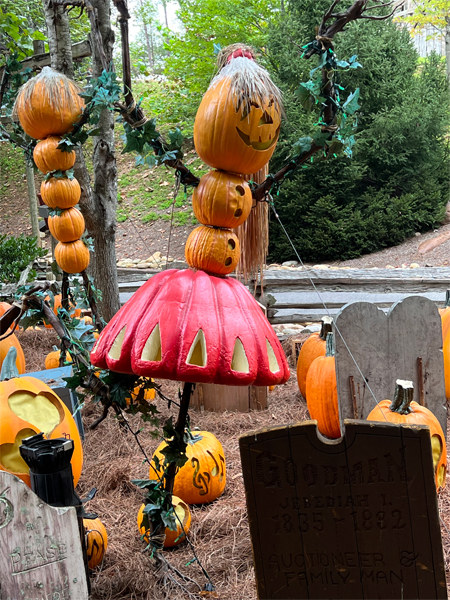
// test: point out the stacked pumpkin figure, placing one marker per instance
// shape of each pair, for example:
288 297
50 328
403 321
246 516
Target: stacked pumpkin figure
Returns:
47 107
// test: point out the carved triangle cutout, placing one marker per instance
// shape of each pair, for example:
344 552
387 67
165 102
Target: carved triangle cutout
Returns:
197 353
116 348
152 349
239 362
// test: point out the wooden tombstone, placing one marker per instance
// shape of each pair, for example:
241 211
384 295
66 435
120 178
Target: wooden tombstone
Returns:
40 547
404 344
349 518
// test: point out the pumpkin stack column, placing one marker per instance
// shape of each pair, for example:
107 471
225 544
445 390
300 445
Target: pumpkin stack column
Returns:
47 107
235 131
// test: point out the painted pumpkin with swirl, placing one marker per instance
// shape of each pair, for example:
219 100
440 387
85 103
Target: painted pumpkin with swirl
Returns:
239 118
202 478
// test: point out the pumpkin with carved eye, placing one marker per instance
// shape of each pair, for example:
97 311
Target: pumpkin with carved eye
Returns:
239 118
27 407
96 541
222 200
212 250
403 411
173 536
203 477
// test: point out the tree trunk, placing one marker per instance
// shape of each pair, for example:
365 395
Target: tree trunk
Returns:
98 205
147 38
447 50
102 222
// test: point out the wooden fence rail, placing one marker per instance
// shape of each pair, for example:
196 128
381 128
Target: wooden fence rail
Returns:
291 298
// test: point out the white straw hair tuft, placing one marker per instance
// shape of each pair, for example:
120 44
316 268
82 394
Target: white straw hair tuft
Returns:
58 90
249 83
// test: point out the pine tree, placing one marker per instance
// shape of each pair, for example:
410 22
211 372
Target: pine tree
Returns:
396 183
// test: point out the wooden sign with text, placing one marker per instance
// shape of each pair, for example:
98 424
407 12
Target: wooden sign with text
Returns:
352 518
40 547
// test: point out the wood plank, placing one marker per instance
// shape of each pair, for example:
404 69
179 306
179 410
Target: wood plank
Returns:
386 348
336 519
40 553
79 50
219 398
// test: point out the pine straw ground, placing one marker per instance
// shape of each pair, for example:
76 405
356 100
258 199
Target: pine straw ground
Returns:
219 530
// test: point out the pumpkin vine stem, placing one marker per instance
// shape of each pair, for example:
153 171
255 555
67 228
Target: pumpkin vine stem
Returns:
403 396
326 327
330 347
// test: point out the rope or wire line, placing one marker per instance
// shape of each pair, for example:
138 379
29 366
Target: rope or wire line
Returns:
269 199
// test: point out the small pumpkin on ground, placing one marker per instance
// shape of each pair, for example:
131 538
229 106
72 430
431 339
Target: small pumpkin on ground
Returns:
312 348
48 104
96 541
60 192
9 342
68 226
403 411
48 157
173 536
202 478
321 392
52 358
212 250
27 407
72 257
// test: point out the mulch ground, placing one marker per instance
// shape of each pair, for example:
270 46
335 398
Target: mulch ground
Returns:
219 530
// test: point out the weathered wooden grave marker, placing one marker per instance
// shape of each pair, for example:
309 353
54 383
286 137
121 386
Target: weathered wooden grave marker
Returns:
404 344
40 548
353 518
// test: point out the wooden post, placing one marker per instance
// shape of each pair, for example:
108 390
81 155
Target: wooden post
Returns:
32 200
38 47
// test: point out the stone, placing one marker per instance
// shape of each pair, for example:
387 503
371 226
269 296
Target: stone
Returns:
321 267
157 255
290 263
290 331
142 266
389 267
417 234
414 266
312 329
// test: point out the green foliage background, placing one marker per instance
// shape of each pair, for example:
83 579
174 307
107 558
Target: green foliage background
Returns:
397 181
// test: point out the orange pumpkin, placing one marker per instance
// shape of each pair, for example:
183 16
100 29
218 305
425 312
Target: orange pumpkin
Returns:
236 128
60 192
222 200
149 393
173 536
52 358
96 541
75 313
312 348
321 392
212 250
68 226
403 411
27 407
11 341
72 257
48 157
203 477
48 104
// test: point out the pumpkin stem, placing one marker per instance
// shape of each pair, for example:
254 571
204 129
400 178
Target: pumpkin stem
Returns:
403 396
447 299
9 368
55 348
330 348
326 327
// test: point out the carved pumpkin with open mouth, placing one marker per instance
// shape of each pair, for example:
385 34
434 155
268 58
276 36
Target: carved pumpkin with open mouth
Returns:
238 122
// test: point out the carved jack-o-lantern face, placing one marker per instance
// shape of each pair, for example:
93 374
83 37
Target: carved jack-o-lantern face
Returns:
259 125
237 135
27 407
203 477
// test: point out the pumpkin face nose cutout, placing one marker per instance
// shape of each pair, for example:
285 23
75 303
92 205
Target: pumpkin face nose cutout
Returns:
38 410
273 362
10 456
197 354
152 348
239 362
116 348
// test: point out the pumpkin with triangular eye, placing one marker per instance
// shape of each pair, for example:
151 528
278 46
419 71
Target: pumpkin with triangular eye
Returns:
27 407
239 118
